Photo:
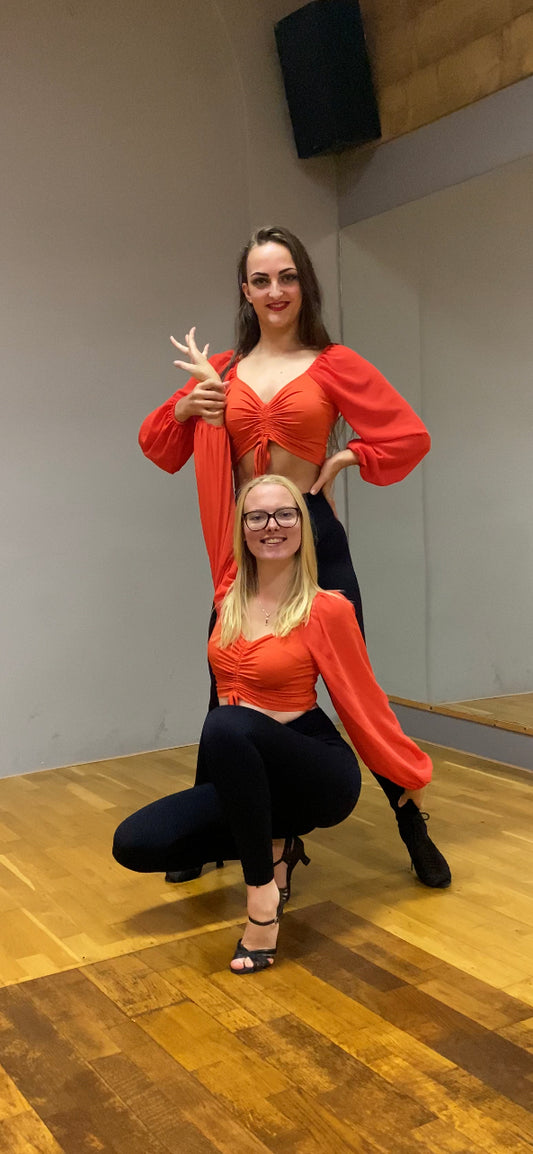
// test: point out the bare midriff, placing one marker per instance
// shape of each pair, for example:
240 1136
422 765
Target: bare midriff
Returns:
276 715
301 473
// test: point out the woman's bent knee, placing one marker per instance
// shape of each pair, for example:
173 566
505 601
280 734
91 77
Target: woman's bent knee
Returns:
229 722
342 800
124 850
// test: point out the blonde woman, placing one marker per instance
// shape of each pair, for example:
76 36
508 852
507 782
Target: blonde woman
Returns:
273 766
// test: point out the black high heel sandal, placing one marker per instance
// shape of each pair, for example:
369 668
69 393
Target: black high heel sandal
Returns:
293 852
259 958
177 876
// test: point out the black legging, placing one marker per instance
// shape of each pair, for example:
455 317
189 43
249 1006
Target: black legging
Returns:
261 780
335 571
335 566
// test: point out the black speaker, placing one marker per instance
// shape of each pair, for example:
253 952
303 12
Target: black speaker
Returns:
327 77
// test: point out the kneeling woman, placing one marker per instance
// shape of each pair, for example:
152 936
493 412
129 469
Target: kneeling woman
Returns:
273 764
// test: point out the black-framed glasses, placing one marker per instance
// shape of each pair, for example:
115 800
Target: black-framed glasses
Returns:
285 518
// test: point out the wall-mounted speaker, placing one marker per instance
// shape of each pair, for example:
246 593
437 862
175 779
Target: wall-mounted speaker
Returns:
326 73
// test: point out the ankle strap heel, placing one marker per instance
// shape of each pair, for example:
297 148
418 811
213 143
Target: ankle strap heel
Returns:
272 922
293 852
257 959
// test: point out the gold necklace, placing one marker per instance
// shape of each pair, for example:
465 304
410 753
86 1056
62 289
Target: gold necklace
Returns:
263 610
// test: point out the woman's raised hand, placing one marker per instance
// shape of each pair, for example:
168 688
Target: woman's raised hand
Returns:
198 366
207 399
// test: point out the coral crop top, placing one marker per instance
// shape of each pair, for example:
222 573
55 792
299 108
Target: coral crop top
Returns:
280 673
391 439
299 418
276 673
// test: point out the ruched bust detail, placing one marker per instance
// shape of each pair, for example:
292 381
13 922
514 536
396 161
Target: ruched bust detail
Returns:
299 418
276 673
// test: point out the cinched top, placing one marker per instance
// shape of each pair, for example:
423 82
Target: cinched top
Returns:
390 438
276 673
299 418
280 673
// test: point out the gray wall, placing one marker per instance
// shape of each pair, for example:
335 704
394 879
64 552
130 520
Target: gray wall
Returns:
386 524
439 292
142 143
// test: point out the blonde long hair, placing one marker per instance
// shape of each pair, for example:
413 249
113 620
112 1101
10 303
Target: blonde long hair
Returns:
303 584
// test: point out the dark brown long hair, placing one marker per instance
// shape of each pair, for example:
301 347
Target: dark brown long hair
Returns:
312 331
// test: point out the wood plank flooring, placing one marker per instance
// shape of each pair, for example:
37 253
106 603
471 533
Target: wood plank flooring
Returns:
396 1019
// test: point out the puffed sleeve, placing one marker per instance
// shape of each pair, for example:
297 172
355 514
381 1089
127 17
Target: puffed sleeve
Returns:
390 437
166 441
214 480
335 642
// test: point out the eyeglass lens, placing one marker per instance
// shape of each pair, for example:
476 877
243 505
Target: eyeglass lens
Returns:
284 518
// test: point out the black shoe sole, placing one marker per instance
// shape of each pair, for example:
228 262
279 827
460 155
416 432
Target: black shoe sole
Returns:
432 885
175 877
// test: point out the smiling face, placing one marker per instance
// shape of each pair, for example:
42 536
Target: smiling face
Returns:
272 286
273 542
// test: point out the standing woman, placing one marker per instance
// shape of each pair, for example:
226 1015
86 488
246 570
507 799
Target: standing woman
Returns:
281 391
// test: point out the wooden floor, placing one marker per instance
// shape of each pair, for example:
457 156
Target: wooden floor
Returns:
515 709
396 1019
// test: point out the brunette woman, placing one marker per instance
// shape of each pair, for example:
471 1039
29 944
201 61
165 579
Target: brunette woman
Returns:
281 391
